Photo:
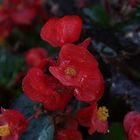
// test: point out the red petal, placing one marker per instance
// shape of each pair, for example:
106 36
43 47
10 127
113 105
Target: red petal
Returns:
59 31
69 29
31 92
101 126
35 56
86 115
91 89
85 43
65 80
34 85
52 101
37 79
131 119
49 33
134 132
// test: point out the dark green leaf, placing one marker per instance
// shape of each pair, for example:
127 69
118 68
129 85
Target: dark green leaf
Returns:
98 15
10 65
39 129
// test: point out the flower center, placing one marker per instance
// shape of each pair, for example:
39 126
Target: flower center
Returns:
4 130
70 71
102 113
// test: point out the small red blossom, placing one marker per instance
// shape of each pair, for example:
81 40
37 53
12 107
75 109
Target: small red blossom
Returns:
12 124
68 134
46 89
79 69
59 31
94 118
34 56
132 125
18 8
11 12
19 12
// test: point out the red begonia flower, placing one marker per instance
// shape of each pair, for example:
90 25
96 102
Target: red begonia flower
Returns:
20 8
95 119
68 134
24 9
46 89
34 56
79 69
59 31
12 124
132 125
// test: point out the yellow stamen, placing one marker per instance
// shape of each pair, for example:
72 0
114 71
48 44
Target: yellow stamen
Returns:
4 130
102 113
70 71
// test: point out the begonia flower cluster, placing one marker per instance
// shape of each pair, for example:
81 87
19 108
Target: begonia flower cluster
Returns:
75 75
15 13
12 124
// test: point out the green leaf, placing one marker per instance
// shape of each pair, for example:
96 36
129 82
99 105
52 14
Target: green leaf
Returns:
116 132
10 65
98 15
41 128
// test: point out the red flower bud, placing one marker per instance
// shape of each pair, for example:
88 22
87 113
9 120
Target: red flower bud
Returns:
34 56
